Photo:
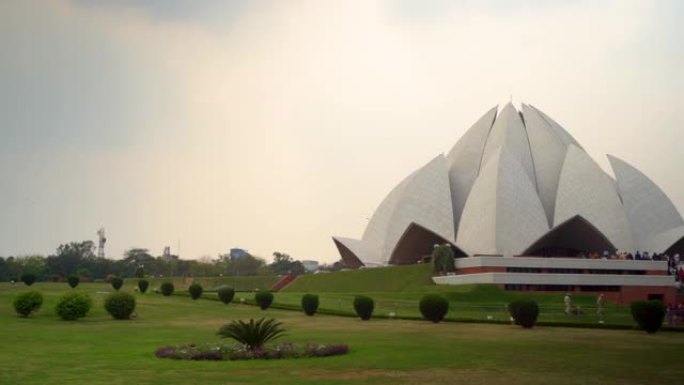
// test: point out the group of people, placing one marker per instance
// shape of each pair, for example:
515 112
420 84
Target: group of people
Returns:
675 264
645 256
674 314
600 303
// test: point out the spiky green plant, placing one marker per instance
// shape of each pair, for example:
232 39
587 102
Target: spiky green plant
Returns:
253 334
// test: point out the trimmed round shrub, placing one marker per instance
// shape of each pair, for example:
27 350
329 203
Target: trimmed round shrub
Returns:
195 290
143 284
310 304
120 305
73 280
264 299
167 288
28 278
433 307
363 306
73 306
226 294
27 303
117 282
648 314
513 310
524 312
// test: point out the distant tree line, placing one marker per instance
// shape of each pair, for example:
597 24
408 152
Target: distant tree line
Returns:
79 258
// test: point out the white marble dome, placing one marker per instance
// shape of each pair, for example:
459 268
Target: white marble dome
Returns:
517 183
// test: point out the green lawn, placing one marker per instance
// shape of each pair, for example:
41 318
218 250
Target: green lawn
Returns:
99 350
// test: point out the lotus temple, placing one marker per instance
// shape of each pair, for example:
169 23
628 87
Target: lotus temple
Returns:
523 206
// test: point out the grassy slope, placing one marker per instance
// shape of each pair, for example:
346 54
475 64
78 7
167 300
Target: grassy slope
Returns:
210 283
388 279
399 288
414 279
99 350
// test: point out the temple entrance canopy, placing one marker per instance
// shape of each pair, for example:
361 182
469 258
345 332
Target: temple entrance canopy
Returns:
569 239
416 243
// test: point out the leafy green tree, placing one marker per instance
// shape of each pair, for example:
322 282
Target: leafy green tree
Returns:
135 260
34 264
70 257
284 264
14 267
443 259
4 270
246 265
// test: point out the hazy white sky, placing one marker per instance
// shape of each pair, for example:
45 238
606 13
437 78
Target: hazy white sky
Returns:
272 125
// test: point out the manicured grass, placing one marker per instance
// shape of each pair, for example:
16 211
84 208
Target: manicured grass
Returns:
100 350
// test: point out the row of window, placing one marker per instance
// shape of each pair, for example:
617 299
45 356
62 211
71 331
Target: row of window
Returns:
567 288
573 271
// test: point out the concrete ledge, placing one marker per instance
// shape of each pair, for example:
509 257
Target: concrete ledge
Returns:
556 279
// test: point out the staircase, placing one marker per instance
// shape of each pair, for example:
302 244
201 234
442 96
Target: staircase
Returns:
281 283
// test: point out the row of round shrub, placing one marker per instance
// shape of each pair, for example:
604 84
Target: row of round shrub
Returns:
73 280
195 290
74 305
264 299
120 305
648 314
143 284
363 306
524 312
167 289
310 304
28 278
225 293
27 303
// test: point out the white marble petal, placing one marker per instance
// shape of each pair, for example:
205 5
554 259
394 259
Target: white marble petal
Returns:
508 132
548 152
584 189
649 210
356 246
424 197
464 161
562 133
503 214
659 243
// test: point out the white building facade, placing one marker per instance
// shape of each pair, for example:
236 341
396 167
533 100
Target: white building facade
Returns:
518 184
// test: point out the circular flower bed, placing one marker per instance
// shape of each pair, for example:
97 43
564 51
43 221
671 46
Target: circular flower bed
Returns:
217 351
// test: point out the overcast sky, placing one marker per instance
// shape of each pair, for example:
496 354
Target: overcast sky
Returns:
272 125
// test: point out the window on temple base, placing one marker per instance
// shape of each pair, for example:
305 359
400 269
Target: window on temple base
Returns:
656 297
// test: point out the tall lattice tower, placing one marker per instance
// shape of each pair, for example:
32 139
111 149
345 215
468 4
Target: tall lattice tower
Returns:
101 243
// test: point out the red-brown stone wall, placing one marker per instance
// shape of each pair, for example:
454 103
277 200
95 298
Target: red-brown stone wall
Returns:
481 269
626 295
